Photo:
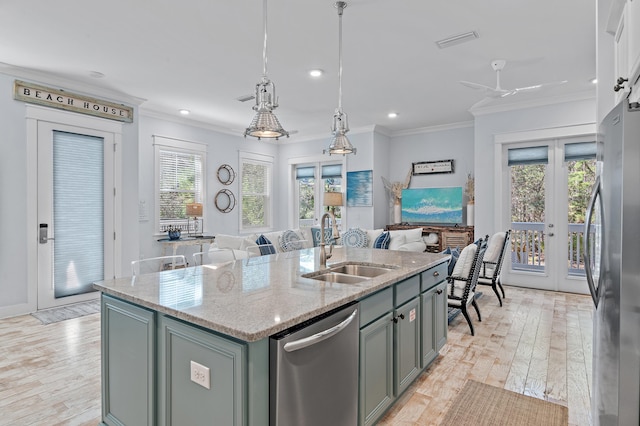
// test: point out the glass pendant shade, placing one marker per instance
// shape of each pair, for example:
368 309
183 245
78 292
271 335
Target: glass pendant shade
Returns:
265 124
340 143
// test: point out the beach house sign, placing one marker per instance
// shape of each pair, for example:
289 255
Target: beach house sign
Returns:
61 99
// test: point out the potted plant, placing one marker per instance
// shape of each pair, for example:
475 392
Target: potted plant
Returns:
174 232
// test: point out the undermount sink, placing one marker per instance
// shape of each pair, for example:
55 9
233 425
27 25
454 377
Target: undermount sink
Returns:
333 277
361 270
349 273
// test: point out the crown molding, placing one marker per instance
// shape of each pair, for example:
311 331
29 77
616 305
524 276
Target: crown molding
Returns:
432 129
151 113
67 84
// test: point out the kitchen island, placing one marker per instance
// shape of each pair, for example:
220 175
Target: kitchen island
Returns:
153 325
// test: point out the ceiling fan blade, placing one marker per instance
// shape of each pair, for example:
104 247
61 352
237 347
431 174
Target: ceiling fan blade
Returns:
538 86
476 86
480 103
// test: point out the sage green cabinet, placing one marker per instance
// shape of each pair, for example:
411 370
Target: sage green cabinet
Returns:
406 344
376 369
389 346
181 400
146 371
433 304
128 364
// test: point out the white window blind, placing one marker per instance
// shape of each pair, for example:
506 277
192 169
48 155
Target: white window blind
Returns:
255 192
78 212
180 180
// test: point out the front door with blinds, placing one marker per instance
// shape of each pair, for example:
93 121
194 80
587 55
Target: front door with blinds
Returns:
75 212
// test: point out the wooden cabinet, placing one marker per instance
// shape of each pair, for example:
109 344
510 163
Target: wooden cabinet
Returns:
448 236
624 24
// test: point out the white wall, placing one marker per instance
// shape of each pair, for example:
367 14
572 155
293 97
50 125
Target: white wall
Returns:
222 148
488 125
449 142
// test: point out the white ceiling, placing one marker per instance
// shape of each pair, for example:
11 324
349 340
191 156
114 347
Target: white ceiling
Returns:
202 55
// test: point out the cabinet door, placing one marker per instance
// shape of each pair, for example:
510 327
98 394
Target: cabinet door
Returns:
633 38
128 366
407 344
440 320
376 369
183 401
428 307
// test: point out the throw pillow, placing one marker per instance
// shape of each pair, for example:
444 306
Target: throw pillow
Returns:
290 241
382 242
328 236
265 246
355 237
396 241
465 261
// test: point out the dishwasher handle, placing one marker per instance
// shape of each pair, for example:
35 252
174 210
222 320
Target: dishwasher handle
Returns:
319 337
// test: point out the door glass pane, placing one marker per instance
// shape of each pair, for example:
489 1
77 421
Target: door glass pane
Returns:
581 177
528 190
334 184
306 201
78 213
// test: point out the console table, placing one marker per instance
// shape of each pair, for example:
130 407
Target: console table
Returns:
448 236
184 241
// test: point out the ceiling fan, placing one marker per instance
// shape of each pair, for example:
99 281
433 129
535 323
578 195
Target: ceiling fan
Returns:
498 92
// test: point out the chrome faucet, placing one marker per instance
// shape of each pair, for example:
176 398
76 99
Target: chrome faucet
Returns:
323 254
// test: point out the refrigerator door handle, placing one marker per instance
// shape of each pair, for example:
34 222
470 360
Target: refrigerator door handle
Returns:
319 337
586 250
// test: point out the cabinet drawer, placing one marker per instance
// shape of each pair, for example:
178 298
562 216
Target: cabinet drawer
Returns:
375 306
433 276
407 289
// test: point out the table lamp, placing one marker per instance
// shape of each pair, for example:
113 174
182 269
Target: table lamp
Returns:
331 200
194 212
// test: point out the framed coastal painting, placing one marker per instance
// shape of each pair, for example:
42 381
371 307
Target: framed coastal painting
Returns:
360 188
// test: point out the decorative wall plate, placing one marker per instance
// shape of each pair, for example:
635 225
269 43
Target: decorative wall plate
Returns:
225 200
226 174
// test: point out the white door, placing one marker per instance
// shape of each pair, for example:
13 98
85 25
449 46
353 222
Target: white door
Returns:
548 185
76 229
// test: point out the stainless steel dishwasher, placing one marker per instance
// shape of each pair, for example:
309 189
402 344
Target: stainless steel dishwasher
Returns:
314 371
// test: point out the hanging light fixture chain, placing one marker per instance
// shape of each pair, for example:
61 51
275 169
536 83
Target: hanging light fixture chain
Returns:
340 6
264 47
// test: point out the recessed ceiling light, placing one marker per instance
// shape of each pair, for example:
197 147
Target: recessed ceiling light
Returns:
392 115
96 74
184 111
316 73
594 80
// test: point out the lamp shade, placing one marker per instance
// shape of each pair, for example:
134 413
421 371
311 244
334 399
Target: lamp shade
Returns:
333 199
194 210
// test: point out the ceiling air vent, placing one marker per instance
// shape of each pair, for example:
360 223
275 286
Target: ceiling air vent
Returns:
457 39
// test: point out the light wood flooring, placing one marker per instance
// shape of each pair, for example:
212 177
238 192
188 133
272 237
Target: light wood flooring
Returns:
538 344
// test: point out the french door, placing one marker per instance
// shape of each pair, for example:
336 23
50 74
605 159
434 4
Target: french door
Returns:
76 221
548 184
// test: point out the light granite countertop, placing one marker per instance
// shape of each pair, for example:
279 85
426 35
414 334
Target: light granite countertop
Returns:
254 298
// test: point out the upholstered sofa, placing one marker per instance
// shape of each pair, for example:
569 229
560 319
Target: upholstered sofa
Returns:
230 247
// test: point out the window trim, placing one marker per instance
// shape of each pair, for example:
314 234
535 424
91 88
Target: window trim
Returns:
254 158
182 146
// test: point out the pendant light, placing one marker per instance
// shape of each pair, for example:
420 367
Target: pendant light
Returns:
265 124
339 142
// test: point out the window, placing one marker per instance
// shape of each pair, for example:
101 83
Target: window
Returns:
309 191
255 192
180 168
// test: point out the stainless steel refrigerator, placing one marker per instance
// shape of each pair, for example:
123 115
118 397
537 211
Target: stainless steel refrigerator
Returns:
612 257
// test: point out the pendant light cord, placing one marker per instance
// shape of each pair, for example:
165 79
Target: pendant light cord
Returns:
340 9
264 47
